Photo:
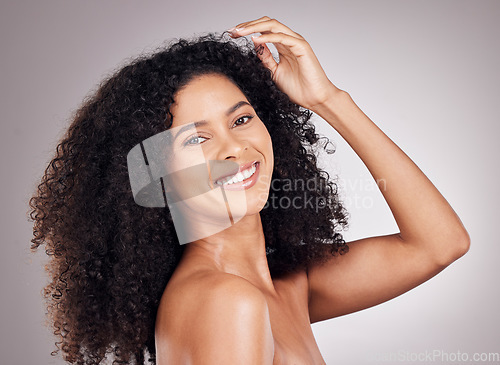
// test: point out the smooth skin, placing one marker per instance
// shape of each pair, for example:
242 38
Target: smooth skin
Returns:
221 305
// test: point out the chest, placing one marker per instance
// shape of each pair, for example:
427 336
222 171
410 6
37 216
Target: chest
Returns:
294 341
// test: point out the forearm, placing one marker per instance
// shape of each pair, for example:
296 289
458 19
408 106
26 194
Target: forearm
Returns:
423 215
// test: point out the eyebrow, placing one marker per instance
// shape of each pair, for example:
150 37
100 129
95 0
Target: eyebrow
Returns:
236 106
190 126
193 125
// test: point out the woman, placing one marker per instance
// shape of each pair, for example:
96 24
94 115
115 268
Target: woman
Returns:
137 281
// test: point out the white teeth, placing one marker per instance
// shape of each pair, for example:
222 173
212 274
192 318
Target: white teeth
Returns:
240 176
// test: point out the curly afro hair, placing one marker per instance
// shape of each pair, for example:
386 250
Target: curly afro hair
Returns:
110 259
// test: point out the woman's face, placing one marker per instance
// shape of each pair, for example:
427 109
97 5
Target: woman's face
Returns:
219 143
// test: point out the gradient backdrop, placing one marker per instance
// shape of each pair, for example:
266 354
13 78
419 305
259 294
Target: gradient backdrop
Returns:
426 72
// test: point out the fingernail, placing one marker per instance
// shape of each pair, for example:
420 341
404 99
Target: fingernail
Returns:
235 30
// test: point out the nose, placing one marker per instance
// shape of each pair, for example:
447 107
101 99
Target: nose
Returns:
233 147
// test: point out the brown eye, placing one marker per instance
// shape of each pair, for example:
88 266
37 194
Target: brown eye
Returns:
243 120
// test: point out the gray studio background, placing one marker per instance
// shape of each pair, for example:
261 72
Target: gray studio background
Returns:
426 72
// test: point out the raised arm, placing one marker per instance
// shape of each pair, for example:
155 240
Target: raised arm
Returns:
379 268
376 269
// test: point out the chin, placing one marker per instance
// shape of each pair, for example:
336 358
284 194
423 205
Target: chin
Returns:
250 205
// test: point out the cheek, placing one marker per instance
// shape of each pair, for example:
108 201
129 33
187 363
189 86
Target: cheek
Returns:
261 140
187 172
266 145
263 137
182 158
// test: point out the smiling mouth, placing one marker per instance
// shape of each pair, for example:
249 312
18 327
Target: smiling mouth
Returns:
238 177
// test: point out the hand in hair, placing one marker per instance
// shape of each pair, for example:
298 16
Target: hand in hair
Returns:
298 72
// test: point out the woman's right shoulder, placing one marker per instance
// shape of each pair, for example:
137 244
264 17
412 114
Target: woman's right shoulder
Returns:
220 317
188 290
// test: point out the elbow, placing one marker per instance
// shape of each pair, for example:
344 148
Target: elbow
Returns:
463 244
456 247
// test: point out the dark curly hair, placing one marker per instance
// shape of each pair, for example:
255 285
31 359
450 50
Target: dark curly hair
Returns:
110 259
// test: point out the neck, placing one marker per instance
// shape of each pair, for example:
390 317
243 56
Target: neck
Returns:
239 250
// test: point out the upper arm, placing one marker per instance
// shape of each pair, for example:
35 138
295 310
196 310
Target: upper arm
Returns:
374 270
232 326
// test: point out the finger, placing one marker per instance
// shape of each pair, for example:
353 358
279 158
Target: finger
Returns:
263 25
242 25
298 47
233 32
266 57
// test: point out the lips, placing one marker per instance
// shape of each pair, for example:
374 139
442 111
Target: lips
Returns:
242 178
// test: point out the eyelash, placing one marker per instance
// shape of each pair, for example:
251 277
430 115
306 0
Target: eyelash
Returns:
247 117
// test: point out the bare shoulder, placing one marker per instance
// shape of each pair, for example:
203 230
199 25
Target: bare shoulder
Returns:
214 318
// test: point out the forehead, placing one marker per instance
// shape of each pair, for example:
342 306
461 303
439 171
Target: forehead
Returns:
205 97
